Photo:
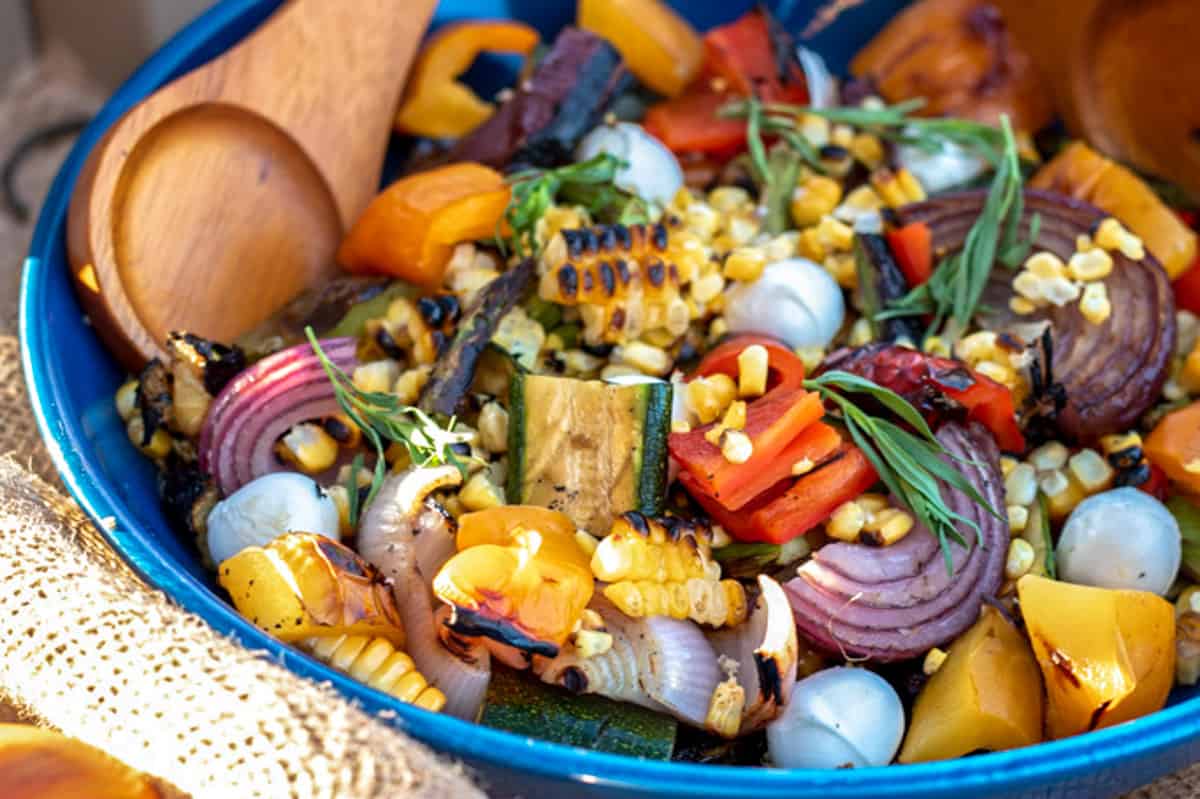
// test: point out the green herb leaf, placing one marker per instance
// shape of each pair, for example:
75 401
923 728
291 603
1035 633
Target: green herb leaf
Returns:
383 418
910 464
356 466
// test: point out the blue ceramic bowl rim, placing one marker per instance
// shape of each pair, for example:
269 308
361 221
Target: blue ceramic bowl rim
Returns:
1018 769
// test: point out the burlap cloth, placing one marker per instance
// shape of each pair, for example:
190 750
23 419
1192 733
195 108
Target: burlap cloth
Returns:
87 648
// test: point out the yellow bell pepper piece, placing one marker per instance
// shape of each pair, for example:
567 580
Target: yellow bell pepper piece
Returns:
986 695
520 567
437 104
1106 656
660 47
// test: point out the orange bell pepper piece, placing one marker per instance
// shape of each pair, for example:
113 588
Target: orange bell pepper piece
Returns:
437 104
1174 447
521 571
658 45
409 231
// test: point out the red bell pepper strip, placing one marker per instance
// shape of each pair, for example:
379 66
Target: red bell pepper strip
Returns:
912 245
1187 289
772 423
784 512
785 369
991 404
690 124
742 55
816 443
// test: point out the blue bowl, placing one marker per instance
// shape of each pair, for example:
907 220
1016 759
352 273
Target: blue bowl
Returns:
72 379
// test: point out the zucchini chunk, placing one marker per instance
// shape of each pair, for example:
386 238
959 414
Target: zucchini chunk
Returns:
589 449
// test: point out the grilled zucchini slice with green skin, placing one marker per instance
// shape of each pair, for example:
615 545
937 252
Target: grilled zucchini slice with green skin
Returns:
589 449
519 703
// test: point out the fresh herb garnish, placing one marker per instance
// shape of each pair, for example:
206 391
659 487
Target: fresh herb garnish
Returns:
778 171
589 183
383 418
909 464
953 292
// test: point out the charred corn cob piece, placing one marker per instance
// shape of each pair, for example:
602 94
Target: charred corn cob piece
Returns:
404 334
664 567
620 278
379 664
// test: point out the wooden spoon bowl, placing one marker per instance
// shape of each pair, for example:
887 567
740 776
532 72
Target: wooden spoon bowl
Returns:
225 194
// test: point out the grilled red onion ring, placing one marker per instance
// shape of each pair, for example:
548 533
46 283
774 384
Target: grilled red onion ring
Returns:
896 602
1111 372
261 404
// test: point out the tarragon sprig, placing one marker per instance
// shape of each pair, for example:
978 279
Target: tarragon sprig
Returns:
383 418
910 464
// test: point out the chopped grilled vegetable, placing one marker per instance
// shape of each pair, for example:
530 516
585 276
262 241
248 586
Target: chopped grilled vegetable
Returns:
378 663
1174 446
525 706
881 281
661 48
303 585
589 449
620 278
519 578
455 369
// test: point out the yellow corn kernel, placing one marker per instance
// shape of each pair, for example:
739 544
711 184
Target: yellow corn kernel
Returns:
872 503
480 493
841 135
308 447
813 198
802 466
1091 471
680 426
725 708
887 526
645 358
736 446
1090 265
1119 442
1019 560
1192 466
976 347
409 385
705 289
340 497
1112 235
809 245
735 416
377 376
1049 456
842 268
1021 306
126 400
493 427
708 397
1189 375
380 665
1020 485
936 345
1062 493
816 129
702 220
1094 305
740 229
782 246
1018 517
1007 464
590 643
914 192
868 149
1045 265
728 199
745 264
846 522
1060 291
835 234
862 200
860 333
934 659
752 371
1005 375
888 187
587 542
811 356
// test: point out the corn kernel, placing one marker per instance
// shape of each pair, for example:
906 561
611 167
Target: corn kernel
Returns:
995 371
802 466
1095 305
1020 486
860 333
1045 265
480 493
846 522
1090 265
702 220
1019 560
493 427
618 370
645 358
888 187
160 441
835 235
841 135
735 416
1189 374
976 347
752 371
782 246
1007 464
842 268
308 447
741 229
728 199
811 356
1018 517
813 198
1021 306
590 643
725 707
680 426
1049 456
1091 470
872 503
745 264
809 244
736 446
1188 601
888 526
1028 285
868 149
1112 235
1192 466
340 497
816 129
914 192
706 288
934 659
409 385
708 397
126 400
377 376
936 345
862 200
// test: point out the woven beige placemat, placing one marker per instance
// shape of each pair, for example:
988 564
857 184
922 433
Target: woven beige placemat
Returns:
87 648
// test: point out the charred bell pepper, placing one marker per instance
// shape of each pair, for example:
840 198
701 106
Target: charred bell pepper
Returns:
690 124
1174 447
664 567
660 47
927 382
785 369
913 247
520 578
410 230
754 55
437 104
304 585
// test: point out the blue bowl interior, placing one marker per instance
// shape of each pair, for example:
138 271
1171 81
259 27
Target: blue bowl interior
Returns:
72 379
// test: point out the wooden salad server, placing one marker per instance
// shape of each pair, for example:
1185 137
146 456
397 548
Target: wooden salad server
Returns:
1125 74
224 194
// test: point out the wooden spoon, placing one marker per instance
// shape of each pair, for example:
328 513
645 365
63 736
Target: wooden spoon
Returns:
1125 75
225 194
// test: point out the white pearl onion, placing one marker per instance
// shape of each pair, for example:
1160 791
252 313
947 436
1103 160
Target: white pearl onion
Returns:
266 508
795 300
652 171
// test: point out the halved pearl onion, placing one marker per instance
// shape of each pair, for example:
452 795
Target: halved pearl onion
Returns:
266 508
950 166
1123 539
651 172
837 718
795 300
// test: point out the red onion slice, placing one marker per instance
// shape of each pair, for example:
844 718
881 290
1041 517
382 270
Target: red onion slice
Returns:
261 404
897 602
